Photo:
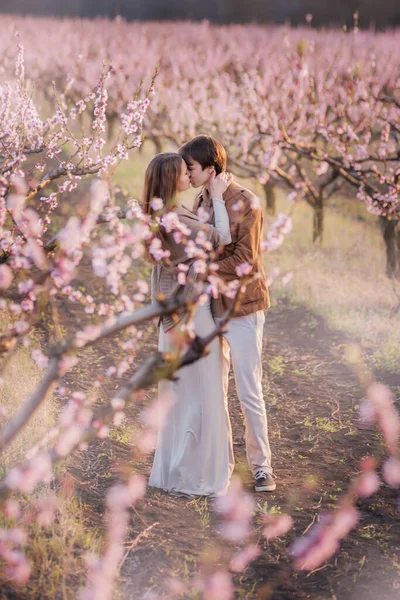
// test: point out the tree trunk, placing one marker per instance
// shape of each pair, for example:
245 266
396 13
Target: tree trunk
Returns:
318 224
391 235
270 196
157 144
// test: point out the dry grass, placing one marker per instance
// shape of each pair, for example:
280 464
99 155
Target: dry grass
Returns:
20 379
344 280
56 554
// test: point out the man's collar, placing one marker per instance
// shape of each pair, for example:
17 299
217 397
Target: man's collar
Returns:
204 195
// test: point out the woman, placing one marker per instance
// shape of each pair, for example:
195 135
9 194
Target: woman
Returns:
194 448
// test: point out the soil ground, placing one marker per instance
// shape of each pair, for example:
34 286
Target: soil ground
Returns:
312 397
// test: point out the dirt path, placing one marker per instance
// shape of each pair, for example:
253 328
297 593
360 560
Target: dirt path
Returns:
312 400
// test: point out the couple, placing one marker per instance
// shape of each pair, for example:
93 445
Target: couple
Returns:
194 453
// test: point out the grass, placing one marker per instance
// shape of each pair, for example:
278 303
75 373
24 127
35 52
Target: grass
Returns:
20 379
277 365
343 280
56 553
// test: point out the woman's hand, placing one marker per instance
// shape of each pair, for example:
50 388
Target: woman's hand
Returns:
219 183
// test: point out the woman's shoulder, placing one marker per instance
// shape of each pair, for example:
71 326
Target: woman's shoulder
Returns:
188 216
186 212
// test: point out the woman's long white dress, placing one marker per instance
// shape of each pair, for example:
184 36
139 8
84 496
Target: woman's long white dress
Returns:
194 452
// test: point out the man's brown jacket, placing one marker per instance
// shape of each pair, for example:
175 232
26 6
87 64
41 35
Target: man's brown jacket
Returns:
246 222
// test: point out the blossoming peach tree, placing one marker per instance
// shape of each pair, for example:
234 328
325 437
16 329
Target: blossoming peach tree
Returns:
50 227
314 112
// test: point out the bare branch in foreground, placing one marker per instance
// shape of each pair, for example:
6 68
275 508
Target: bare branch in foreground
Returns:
171 305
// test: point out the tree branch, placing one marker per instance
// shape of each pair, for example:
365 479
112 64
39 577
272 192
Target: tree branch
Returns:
171 305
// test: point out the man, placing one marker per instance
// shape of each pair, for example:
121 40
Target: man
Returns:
206 158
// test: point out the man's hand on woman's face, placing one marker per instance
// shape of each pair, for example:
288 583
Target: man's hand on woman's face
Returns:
219 184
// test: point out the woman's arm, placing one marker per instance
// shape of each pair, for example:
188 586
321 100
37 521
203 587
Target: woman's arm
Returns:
222 221
217 186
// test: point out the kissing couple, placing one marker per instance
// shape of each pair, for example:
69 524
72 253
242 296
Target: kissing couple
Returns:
194 452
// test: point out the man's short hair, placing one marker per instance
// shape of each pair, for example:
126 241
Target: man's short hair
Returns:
205 150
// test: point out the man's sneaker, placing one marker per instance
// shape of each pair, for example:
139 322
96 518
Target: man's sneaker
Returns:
265 482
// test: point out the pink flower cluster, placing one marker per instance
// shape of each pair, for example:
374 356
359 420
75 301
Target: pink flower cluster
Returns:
102 570
236 509
15 566
276 234
322 541
153 418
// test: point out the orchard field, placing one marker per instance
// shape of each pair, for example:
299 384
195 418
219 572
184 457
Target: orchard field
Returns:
311 123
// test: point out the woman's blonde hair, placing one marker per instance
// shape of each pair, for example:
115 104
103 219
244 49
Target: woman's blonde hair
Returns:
160 180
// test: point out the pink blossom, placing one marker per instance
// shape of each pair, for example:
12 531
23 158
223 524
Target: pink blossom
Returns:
68 440
322 168
38 470
236 509
24 287
67 363
322 541
89 334
200 266
142 286
117 403
218 586
155 415
157 252
277 525
12 509
15 203
368 484
379 394
203 214
17 568
255 203
316 555
35 252
46 507
176 587
102 571
119 418
157 204
238 206
6 277
286 278
243 269
345 519
103 432
381 399
16 536
70 237
178 237
241 559
391 472
40 359
154 418
367 413
181 278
